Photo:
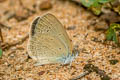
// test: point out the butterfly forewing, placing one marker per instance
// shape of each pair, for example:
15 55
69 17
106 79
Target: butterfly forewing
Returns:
49 24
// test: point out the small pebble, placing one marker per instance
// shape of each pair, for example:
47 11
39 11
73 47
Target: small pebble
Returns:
101 25
45 5
71 27
21 14
41 73
18 67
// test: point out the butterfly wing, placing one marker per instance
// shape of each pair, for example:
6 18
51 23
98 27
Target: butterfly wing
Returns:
48 40
49 24
46 49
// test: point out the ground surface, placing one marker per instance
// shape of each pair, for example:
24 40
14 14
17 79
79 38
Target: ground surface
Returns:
15 64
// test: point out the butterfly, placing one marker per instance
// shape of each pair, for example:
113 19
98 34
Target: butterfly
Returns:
49 42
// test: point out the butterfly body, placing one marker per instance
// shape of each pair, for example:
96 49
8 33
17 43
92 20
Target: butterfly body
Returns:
48 42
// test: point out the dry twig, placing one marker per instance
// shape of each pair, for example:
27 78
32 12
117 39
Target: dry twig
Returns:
91 68
4 26
80 76
1 35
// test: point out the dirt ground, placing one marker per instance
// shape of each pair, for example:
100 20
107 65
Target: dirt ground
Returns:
15 63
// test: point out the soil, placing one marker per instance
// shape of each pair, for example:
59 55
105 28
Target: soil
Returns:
15 64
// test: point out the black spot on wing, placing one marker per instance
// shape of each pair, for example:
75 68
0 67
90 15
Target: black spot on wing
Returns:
34 25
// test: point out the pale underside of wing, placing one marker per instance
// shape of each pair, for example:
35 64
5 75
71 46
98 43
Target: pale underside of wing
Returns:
48 24
48 41
46 49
